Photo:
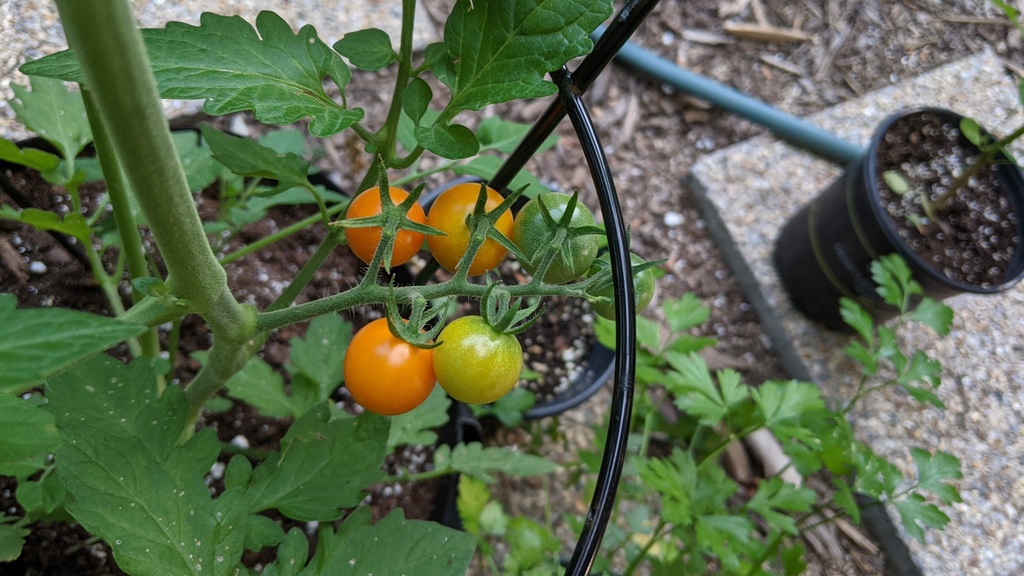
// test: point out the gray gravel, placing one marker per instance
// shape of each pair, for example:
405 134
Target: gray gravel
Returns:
754 187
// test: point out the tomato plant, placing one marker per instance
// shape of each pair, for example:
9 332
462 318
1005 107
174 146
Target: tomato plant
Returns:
385 374
534 231
449 214
364 241
643 289
476 364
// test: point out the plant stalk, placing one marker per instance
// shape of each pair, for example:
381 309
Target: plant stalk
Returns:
117 193
117 71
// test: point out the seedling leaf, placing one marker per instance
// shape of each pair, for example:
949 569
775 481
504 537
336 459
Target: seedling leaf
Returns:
317 354
915 512
56 114
249 158
27 157
417 427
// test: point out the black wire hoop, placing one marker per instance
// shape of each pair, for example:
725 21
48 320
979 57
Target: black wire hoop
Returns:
571 87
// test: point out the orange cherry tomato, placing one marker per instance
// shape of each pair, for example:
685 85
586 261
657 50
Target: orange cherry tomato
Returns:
385 374
448 214
364 241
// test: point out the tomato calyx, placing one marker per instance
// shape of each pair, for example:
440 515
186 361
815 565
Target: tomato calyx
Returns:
557 243
392 219
506 314
598 285
482 226
414 330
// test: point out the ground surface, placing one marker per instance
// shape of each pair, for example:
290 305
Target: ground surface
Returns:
653 135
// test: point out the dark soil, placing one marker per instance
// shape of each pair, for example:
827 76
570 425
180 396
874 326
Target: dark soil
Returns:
975 233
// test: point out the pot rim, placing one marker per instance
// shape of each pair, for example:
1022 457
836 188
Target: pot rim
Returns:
1013 180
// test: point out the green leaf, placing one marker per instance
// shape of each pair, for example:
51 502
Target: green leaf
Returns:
933 314
475 460
247 157
896 182
416 100
54 113
417 426
12 539
196 158
29 431
695 390
323 466
486 167
685 312
367 49
28 157
857 317
452 141
291 555
504 136
260 386
895 280
530 544
73 224
924 396
648 333
915 513
133 484
41 342
500 51
262 531
359 548
726 535
786 402
317 354
792 557
42 497
972 131
935 471
845 500
473 498
775 495
271 70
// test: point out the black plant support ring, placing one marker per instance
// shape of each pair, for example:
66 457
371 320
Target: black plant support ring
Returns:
625 331
571 87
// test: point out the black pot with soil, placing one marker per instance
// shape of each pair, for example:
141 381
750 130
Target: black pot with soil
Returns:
974 244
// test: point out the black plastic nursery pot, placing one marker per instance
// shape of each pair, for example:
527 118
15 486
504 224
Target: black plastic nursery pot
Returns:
825 250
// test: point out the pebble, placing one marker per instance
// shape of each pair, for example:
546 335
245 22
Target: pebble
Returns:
36 267
673 219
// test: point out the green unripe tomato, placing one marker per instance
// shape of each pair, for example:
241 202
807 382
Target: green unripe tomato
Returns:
476 364
531 231
643 289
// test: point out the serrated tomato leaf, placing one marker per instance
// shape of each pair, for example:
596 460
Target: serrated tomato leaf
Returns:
392 546
41 342
271 70
500 51
133 484
54 113
323 466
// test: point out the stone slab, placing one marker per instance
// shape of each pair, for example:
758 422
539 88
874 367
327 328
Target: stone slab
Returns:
750 189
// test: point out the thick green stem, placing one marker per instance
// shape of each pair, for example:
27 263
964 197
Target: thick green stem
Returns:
117 193
389 133
116 68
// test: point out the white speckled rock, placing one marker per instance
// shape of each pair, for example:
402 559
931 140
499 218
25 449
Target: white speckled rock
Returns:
30 29
752 189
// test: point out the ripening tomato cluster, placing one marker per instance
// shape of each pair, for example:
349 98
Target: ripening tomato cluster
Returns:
474 363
